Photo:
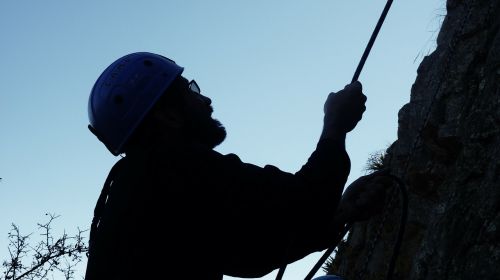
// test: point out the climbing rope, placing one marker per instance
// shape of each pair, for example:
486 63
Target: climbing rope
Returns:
360 66
402 189
327 253
397 244
368 48
444 74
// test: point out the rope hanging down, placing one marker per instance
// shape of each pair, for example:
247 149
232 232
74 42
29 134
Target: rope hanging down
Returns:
361 64
444 74
397 245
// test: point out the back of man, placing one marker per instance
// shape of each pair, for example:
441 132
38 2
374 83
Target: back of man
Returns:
198 212
150 227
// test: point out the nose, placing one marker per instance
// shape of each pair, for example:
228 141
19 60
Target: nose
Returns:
205 99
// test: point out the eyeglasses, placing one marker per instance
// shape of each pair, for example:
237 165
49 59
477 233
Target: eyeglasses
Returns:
193 86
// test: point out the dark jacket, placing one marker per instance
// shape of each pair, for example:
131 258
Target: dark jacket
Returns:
192 213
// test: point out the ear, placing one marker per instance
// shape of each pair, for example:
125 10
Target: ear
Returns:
171 118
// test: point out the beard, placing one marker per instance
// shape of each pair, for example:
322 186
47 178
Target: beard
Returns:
205 130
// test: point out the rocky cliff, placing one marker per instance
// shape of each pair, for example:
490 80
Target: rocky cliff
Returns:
448 155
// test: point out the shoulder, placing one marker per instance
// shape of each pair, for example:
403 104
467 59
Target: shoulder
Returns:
231 157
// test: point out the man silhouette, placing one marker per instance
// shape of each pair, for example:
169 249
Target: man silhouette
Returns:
174 208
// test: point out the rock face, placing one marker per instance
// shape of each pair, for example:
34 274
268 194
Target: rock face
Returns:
448 154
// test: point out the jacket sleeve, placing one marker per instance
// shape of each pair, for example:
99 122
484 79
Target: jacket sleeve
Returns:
271 217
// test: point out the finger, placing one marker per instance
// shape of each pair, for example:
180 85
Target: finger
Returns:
378 197
377 187
368 196
362 202
378 208
354 87
366 178
378 184
374 194
363 97
371 194
369 206
383 172
357 85
383 181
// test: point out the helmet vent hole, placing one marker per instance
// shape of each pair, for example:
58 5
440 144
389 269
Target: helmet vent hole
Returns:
118 99
148 63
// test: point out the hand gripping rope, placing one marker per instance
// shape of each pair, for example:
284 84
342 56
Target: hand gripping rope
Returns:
467 11
400 183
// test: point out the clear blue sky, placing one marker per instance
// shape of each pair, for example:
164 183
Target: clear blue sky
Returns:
267 65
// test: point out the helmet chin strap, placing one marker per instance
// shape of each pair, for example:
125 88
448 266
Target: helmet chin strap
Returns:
96 133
